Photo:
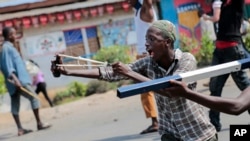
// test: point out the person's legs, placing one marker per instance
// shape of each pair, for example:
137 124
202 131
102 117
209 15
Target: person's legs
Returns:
15 106
148 104
215 86
35 104
21 130
42 87
17 121
37 117
241 77
223 56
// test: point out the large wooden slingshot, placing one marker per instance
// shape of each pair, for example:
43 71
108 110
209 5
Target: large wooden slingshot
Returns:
57 63
191 76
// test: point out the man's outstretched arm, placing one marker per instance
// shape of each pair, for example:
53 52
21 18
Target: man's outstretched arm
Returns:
234 106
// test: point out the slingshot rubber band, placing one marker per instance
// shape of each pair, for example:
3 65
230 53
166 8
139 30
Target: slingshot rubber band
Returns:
72 65
83 59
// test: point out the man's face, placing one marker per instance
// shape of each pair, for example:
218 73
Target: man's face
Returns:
155 44
12 35
132 2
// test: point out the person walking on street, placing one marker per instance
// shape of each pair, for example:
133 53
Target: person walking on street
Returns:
229 47
14 70
39 82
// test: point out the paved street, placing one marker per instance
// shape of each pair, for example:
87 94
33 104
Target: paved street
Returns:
102 117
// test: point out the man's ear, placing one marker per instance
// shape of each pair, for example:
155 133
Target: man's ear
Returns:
168 42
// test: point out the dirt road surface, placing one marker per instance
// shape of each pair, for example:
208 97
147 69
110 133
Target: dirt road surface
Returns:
102 117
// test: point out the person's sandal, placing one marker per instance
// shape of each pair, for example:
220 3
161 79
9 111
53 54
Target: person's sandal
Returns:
150 129
24 131
43 126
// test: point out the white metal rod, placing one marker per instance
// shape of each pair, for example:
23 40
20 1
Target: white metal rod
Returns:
160 83
81 58
73 65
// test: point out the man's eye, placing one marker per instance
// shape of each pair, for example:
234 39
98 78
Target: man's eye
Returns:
151 39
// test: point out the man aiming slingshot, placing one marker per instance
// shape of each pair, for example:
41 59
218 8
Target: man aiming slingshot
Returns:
179 118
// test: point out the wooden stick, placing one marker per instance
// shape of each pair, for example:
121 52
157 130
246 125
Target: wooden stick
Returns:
30 93
25 90
83 59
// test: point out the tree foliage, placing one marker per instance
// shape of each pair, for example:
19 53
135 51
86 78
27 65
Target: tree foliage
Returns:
3 89
113 54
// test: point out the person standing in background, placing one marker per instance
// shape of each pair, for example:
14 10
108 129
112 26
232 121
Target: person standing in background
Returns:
144 15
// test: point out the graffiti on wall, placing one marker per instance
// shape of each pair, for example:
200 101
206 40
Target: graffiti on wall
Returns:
189 22
117 33
189 27
178 8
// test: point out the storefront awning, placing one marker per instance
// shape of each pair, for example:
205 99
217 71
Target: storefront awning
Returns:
89 3
7 3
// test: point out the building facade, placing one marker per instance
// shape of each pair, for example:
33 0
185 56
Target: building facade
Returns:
82 27
75 29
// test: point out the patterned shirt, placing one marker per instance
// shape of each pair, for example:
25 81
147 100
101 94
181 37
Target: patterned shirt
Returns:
182 118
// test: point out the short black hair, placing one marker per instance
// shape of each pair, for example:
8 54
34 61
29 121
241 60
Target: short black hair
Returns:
6 32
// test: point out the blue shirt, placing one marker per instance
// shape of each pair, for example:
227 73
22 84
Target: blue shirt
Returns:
11 62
